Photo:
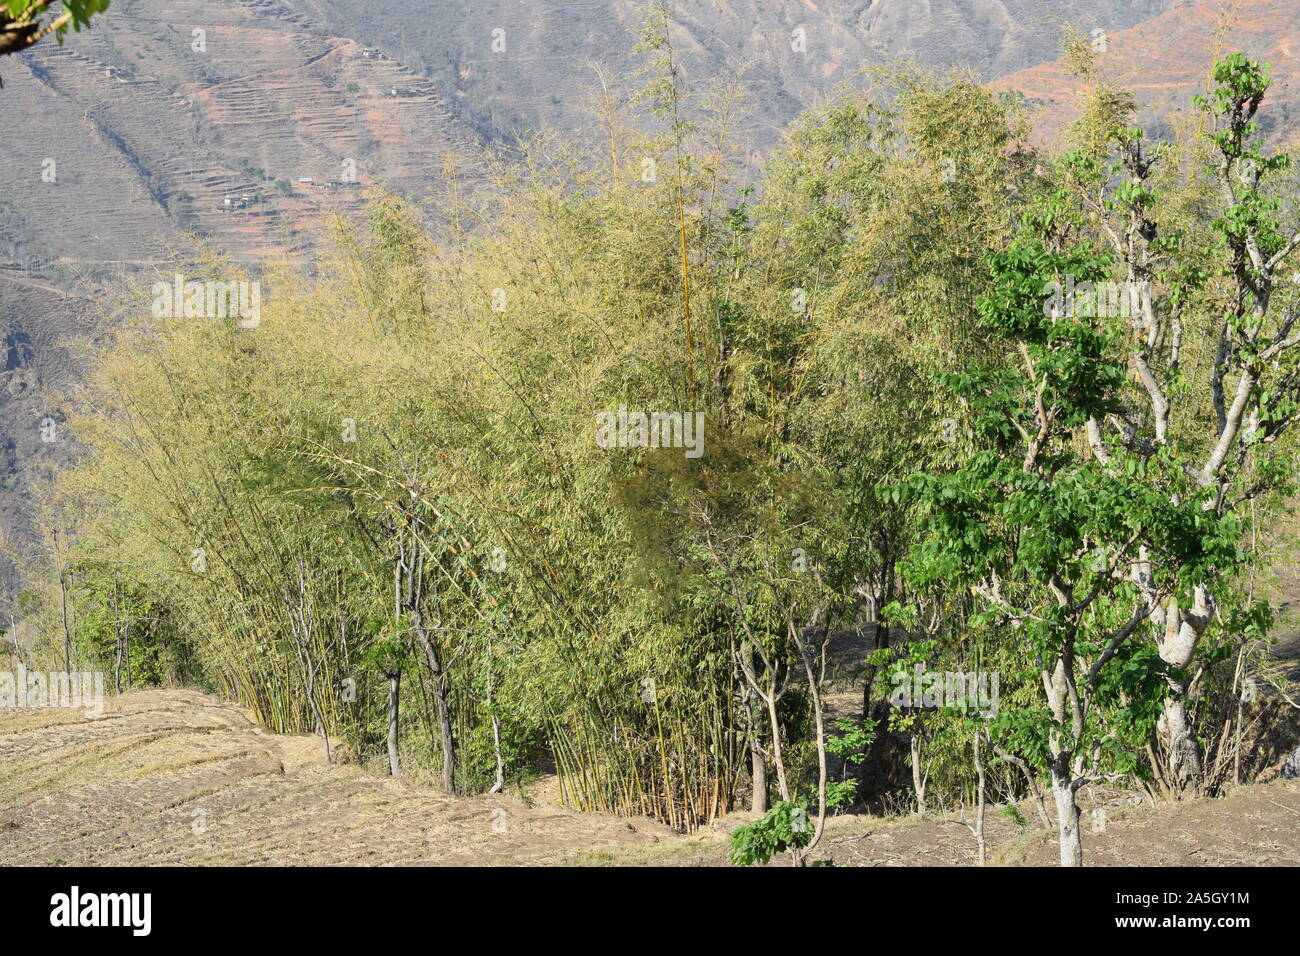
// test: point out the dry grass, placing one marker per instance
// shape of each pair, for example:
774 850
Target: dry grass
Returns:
124 789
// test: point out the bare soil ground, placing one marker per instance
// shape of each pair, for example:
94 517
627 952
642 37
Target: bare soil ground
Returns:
177 777
1256 825
170 777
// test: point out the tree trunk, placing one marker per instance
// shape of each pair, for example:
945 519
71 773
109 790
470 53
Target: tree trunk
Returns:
1067 819
441 702
67 631
499 783
316 711
394 701
1184 628
440 696
1181 744
757 762
778 758
117 642
979 810
757 772
820 728
918 781
770 697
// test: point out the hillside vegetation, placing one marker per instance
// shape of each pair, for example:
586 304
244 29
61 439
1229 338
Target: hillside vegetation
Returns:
166 119
631 470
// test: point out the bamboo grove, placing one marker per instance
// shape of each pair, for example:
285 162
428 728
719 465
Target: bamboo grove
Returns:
382 515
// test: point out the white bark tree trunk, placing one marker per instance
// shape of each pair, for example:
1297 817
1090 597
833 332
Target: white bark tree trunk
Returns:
1067 819
1184 628
1184 750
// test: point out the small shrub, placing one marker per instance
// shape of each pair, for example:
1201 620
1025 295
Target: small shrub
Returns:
784 827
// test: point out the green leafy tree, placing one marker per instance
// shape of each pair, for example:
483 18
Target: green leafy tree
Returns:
1086 514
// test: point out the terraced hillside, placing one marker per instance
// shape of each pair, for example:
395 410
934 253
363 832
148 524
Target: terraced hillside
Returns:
211 116
509 63
232 132
1167 59
40 330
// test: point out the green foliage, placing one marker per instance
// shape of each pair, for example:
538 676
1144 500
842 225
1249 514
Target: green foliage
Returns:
396 473
784 827
1044 522
1012 813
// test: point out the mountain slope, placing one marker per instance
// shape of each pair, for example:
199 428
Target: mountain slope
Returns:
1166 60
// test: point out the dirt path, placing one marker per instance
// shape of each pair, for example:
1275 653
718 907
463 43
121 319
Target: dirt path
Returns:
171 777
